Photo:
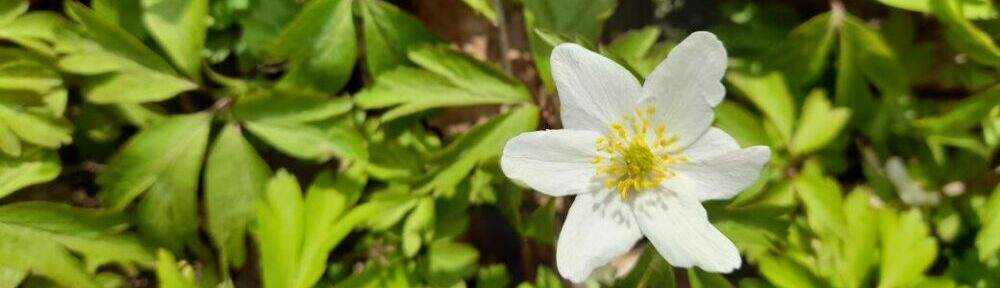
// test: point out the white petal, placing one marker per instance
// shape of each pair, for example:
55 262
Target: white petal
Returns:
554 162
720 176
679 229
714 142
598 228
686 86
695 67
593 90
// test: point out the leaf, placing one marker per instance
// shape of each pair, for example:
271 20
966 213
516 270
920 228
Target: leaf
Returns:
821 197
636 50
965 36
261 25
965 114
308 141
908 249
740 123
420 220
451 79
33 167
988 238
113 39
770 94
562 16
39 236
320 45
36 127
173 274
290 106
819 125
11 9
448 262
389 35
486 141
493 276
970 9
294 247
803 55
235 177
784 272
483 7
649 271
162 161
179 27
702 279
123 13
540 225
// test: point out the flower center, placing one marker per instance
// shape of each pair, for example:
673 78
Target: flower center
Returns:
631 159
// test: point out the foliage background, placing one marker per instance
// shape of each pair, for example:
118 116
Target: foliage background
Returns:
354 143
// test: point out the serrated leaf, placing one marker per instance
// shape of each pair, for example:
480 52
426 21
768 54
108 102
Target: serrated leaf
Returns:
235 177
820 124
162 162
389 35
908 249
179 27
770 94
38 237
34 167
320 45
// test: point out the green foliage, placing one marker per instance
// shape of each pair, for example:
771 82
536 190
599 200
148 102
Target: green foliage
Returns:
138 140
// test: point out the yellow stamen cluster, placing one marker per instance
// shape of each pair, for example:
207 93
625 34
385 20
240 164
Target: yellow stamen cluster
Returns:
629 160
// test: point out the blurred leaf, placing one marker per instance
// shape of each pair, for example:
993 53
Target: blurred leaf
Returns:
908 249
493 276
819 125
988 239
650 270
420 220
787 273
389 35
179 27
483 142
235 177
10 9
320 45
261 26
540 225
162 161
770 94
448 262
173 274
740 123
562 16
821 197
123 13
37 128
965 36
803 55
130 72
483 7
39 236
33 167
754 229
702 279
970 9
637 49
965 114
451 79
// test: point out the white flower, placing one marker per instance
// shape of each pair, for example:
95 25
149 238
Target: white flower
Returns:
639 158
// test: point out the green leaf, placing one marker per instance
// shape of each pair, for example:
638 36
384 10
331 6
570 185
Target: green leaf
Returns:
819 125
448 262
486 141
451 78
261 26
38 128
33 167
702 279
320 45
649 271
785 272
113 39
162 161
290 106
39 236
965 114
965 36
10 9
970 9
770 94
235 177
312 141
636 49
294 247
540 225
822 199
179 27
562 16
389 35
173 274
420 221
908 249
483 7
803 55
988 239
493 276
740 123
126 14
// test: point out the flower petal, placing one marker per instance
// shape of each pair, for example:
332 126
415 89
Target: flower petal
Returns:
593 90
686 86
695 67
714 142
554 162
720 176
598 228
679 229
